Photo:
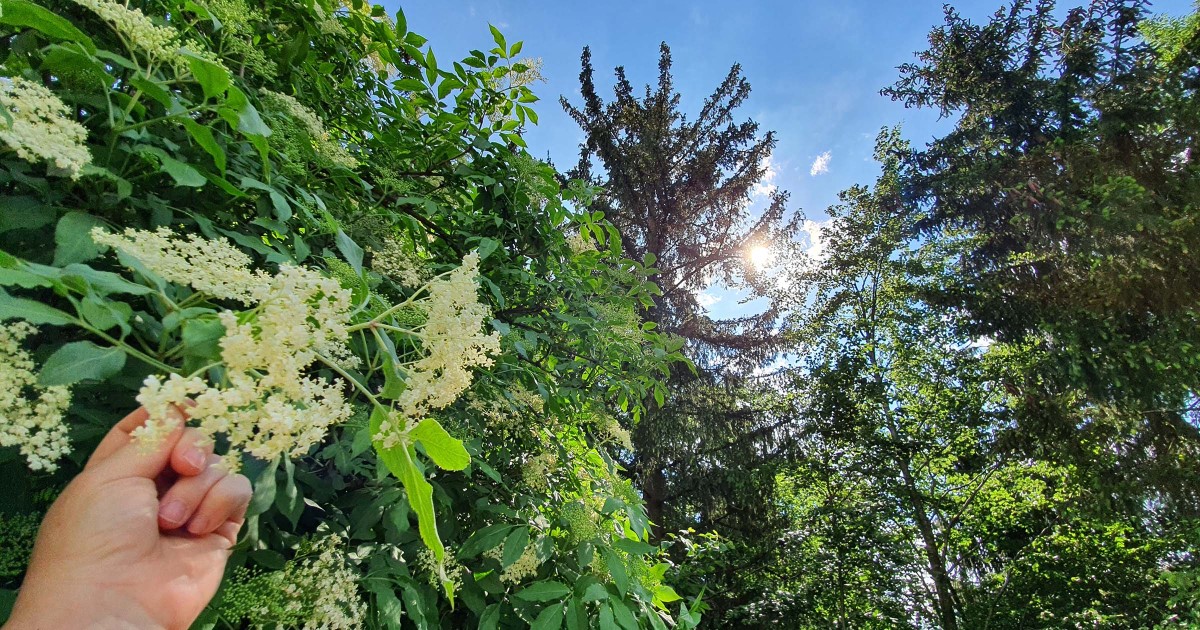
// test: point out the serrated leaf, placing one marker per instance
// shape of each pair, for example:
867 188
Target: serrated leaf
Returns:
623 615
490 619
483 540
183 174
543 591
213 78
349 250
73 238
666 594
595 593
514 546
31 311
81 361
550 618
22 13
204 137
444 449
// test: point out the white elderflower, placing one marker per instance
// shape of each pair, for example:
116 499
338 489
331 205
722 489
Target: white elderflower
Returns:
452 343
323 590
31 416
580 244
394 261
138 31
266 406
42 126
215 267
525 567
323 143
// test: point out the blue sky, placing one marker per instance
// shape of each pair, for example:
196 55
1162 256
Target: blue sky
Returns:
816 68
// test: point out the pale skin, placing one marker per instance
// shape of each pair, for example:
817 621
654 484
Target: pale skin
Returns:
139 539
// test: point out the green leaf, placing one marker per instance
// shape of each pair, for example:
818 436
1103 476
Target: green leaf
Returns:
595 593
204 137
616 568
666 594
22 13
31 311
24 213
245 116
483 540
399 460
445 450
514 546
634 547
213 78
623 615
543 591
499 39
81 361
73 238
103 282
350 250
183 174
104 314
550 618
264 490
490 619
607 622
577 615
486 247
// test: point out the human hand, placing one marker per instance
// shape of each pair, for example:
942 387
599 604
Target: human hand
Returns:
138 539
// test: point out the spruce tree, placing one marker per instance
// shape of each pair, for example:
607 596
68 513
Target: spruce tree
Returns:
679 192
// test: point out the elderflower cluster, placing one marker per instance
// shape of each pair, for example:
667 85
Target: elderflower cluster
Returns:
42 126
452 343
157 42
323 143
31 416
326 588
524 567
394 261
611 428
580 244
447 572
265 405
319 591
215 267
536 472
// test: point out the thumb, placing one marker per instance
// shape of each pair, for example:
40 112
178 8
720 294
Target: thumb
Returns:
142 450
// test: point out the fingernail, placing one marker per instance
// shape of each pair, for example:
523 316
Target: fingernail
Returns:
196 459
172 512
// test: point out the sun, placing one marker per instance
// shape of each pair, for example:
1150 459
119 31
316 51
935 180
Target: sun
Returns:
761 256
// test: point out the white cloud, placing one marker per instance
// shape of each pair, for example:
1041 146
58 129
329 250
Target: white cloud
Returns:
764 187
816 239
821 164
707 299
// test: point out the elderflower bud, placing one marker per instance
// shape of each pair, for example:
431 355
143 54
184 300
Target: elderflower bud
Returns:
42 126
323 143
156 42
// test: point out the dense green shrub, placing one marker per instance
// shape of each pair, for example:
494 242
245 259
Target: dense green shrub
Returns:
418 343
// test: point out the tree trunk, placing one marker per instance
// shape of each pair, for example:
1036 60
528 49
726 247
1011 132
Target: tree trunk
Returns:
943 587
654 492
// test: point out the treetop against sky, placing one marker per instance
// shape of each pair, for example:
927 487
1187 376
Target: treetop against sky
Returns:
816 69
